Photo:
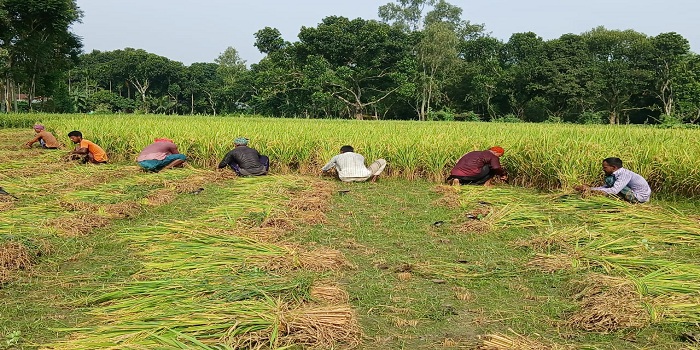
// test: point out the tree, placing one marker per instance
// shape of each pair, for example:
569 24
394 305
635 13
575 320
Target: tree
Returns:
668 53
363 59
437 56
36 43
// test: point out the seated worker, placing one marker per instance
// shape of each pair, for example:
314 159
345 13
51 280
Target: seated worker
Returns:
351 166
161 154
622 182
478 168
86 151
45 138
245 161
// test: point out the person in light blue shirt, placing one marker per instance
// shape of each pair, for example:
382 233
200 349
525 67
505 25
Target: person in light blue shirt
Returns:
622 182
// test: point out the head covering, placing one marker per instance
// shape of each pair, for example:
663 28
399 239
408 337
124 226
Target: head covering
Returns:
38 127
163 139
240 141
497 149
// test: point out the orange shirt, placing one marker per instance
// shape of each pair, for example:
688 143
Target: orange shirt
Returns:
97 152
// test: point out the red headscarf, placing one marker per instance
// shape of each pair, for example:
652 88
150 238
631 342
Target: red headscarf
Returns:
497 149
164 140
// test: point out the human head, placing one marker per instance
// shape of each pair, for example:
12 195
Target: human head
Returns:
163 139
240 141
38 128
346 148
497 150
75 136
611 164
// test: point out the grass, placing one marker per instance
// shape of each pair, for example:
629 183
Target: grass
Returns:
249 263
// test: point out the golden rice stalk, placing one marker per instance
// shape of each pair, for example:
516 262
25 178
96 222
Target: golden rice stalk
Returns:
516 341
607 304
13 256
329 293
80 224
322 326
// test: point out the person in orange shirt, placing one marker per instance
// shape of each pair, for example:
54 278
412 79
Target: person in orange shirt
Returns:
86 151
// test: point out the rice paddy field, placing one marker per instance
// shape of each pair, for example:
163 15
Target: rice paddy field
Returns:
110 257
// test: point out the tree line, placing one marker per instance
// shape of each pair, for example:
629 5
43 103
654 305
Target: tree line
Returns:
421 61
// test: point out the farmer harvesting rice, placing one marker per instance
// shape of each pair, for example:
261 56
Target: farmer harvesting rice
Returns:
478 168
86 151
351 166
622 182
45 138
245 161
161 154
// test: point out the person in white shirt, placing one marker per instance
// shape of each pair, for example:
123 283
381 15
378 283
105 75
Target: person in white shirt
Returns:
622 182
350 166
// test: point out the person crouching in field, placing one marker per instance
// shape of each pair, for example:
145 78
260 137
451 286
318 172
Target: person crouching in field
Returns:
160 155
86 151
350 166
478 168
45 138
245 161
621 182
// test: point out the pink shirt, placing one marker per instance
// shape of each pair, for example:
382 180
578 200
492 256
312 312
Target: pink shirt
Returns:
157 151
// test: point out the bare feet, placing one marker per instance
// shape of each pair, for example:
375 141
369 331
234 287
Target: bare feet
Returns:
454 182
374 178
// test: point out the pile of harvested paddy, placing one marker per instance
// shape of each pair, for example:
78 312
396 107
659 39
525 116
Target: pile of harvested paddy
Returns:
516 341
450 196
607 304
123 210
79 224
6 202
328 293
551 263
320 327
317 260
13 256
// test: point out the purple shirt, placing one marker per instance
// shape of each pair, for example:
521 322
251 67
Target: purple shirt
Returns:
471 163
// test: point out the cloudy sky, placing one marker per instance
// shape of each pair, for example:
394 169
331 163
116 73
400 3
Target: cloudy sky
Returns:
198 31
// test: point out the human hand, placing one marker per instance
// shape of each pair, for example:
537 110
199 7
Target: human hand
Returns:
581 188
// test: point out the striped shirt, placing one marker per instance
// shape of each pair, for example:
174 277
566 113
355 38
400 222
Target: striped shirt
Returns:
348 165
627 178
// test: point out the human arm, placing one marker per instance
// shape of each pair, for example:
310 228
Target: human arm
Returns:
496 167
228 160
32 141
330 165
622 179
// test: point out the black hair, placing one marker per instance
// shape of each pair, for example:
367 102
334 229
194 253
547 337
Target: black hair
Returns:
346 148
612 161
75 133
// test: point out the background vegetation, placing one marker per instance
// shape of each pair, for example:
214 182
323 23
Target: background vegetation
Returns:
422 60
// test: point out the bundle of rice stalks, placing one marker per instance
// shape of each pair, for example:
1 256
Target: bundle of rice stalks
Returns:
319 260
677 309
314 199
555 239
13 256
450 196
328 293
78 206
123 210
80 224
160 197
516 341
550 263
322 326
607 304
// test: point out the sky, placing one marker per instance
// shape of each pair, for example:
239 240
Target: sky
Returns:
199 31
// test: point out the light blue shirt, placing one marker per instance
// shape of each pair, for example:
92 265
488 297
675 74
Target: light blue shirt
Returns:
627 178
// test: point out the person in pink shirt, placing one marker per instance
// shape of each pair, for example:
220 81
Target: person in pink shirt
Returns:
161 154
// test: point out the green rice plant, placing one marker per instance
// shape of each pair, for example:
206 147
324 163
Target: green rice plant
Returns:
537 155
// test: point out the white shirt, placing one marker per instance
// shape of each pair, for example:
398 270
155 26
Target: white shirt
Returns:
627 178
348 165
